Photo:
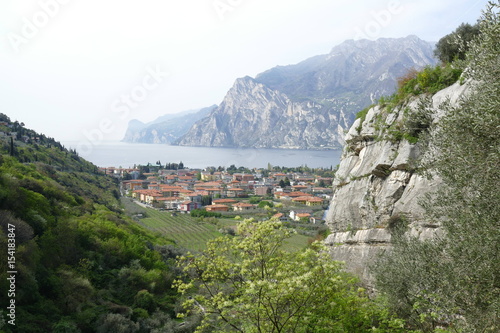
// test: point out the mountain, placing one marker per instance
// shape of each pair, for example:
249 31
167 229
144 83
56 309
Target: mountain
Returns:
309 105
165 129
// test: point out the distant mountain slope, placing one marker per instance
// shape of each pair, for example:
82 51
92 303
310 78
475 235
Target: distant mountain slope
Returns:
310 104
165 129
358 67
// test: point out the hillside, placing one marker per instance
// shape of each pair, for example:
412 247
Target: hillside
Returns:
79 264
310 104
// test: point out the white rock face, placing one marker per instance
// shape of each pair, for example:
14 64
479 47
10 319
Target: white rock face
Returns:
376 181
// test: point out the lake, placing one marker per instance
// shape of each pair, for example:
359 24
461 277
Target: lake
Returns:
121 154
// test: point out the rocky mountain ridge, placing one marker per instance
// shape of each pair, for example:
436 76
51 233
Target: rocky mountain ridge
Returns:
310 104
377 185
165 129
253 115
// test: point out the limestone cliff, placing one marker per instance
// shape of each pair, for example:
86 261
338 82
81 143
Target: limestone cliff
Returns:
377 183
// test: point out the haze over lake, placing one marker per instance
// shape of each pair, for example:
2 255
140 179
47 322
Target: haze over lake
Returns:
127 154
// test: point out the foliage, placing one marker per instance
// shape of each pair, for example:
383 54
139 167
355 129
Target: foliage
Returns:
429 80
255 200
79 258
266 203
455 45
248 284
453 279
204 213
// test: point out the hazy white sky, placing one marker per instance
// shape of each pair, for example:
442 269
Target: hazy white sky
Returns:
81 69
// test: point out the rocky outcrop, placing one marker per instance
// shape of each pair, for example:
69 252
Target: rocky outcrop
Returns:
310 104
377 186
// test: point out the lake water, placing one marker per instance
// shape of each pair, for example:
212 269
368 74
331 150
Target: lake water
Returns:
121 154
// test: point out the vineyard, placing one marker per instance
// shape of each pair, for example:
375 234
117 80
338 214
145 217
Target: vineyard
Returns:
190 232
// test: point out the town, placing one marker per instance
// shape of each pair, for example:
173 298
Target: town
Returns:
289 194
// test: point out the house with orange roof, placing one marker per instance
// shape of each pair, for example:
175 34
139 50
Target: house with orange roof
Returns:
184 193
302 216
322 190
234 192
187 178
243 206
314 201
303 188
216 208
325 180
290 195
224 201
170 179
297 215
154 186
214 191
279 176
302 199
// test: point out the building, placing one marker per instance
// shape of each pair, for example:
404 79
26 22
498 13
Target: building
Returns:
241 206
223 202
188 206
217 208
234 192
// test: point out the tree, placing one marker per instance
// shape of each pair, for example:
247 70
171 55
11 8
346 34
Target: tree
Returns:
248 283
454 279
287 181
455 45
206 200
266 203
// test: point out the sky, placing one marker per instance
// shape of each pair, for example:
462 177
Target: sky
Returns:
80 70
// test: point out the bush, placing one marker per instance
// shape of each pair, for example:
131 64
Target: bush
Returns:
204 213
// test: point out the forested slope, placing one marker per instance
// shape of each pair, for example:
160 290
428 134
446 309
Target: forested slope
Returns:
80 264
